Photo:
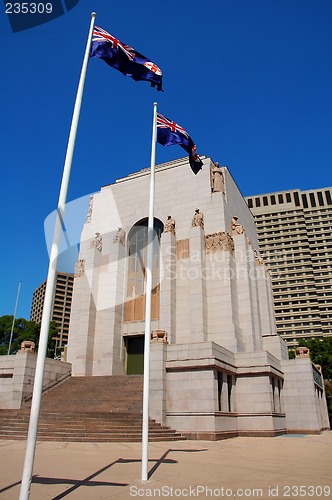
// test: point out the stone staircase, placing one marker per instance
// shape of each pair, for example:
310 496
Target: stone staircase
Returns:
88 409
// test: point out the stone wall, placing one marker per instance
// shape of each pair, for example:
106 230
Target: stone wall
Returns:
17 376
304 399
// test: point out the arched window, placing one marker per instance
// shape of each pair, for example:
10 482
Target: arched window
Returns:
137 256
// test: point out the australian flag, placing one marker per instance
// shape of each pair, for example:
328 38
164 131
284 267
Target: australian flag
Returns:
124 58
169 133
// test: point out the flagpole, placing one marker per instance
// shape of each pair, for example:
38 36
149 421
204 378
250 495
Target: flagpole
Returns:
51 277
148 297
14 317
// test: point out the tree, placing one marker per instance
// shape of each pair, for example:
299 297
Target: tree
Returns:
320 353
24 330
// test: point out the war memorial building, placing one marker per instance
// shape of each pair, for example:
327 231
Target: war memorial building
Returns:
218 368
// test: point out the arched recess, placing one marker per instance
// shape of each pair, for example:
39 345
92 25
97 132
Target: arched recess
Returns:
136 278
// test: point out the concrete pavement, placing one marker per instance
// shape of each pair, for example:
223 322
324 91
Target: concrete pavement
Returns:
266 468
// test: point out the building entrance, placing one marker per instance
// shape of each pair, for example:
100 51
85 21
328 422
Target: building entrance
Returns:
134 355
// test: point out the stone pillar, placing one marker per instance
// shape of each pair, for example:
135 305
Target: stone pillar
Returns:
271 302
108 344
247 294
197 277
83 312
223 316
167 320
266 308
157 400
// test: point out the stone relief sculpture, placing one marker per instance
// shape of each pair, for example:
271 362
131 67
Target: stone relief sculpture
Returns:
236 227
169 225
88 218
120 236
198 219
217 179
97 242
79 268
221 241
209 242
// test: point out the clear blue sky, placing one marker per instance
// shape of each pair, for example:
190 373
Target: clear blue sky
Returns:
249 80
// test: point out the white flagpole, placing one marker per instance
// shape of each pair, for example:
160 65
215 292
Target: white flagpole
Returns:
14 317
51 277
148 296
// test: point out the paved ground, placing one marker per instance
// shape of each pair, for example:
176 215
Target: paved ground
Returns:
263 468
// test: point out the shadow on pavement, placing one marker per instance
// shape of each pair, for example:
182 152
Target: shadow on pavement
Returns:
88 481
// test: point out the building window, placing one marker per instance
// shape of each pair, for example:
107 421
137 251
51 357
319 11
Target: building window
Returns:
257 202
297 199
229 392
280 198
137 262
273 199
288 198
265 201
320 198
312 199
220 380
304 200
250 203
328 197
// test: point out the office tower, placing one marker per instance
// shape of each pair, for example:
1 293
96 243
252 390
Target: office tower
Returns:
61 305
294 234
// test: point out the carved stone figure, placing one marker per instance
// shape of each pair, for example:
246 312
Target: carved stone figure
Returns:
159 336
198 219
302 352
236 227
88 219
27 346
120 236
218 185
169 225
79 268
97 242
259 260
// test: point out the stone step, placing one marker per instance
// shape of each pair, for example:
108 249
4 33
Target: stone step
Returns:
88 409
81 424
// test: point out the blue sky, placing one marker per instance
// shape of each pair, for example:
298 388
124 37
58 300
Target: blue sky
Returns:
249 80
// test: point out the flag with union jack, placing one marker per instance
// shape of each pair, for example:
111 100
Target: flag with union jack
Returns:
124 58
169 133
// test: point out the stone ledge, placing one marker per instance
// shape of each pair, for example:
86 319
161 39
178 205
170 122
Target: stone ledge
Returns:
209 436
262 433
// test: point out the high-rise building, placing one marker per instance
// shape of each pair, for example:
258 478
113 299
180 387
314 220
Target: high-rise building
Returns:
61 305
294 234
